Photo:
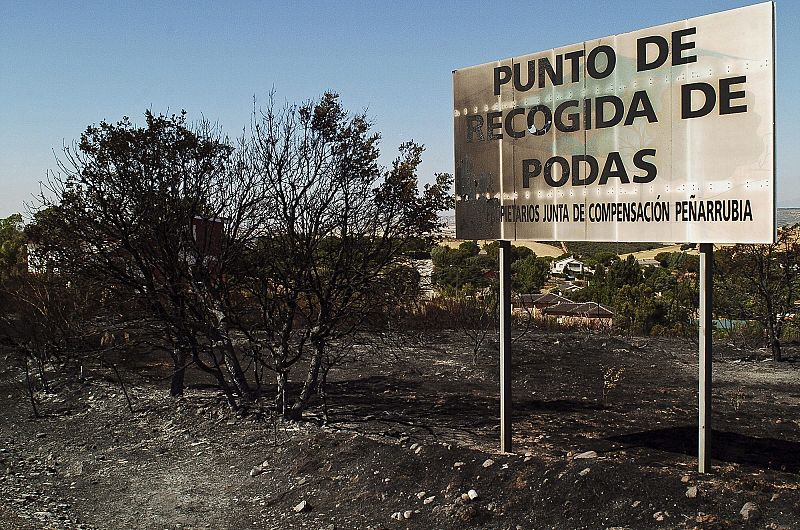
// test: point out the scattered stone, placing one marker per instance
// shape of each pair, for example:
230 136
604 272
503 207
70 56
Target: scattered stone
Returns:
776 526
635 504
691 492
685 479
527 459
429 500
465 497
397 515
491 507
458 464
585 472
472 495
414 446
750 511
421 494
488 462
407 514
257 470
302 506
774 497
660 516
417 450
585 455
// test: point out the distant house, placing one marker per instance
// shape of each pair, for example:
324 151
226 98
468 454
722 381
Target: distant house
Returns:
569 266
590 314
536 303
648 262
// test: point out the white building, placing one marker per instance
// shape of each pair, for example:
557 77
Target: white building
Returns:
569 265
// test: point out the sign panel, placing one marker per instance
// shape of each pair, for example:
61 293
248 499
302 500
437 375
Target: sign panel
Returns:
664 134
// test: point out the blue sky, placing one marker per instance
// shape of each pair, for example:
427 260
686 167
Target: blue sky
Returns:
65 65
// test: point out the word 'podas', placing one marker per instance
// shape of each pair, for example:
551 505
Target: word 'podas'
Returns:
613 167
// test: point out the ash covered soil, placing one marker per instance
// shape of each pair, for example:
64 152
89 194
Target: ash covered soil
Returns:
412 434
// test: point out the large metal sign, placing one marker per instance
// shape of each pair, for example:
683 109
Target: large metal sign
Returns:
664 134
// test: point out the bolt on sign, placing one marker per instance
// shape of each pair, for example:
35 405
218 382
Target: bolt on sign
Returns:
663 134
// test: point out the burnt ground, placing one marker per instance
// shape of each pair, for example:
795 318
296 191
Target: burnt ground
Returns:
411 432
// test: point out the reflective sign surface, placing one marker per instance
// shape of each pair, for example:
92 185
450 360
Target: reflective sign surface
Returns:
663 134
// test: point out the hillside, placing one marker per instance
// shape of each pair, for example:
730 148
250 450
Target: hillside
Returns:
411 435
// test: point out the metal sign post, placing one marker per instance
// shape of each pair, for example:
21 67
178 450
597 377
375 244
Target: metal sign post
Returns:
505 346
706 326
660 134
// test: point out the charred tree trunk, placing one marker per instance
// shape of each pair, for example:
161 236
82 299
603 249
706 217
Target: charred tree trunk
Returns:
774 340
312 377
29 384
323 393
772 330
280 396
230 359
219 375
179 373
238 376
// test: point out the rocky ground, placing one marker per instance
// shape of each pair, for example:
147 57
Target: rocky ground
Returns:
413 444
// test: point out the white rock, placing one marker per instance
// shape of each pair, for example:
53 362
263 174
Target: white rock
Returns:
302 506
691 492
585 455
421 494
407 514
465 497
472 495
585 472
458 464
488 462
414 446
256 471
660 516
429 500
417 450
397 515
750 511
